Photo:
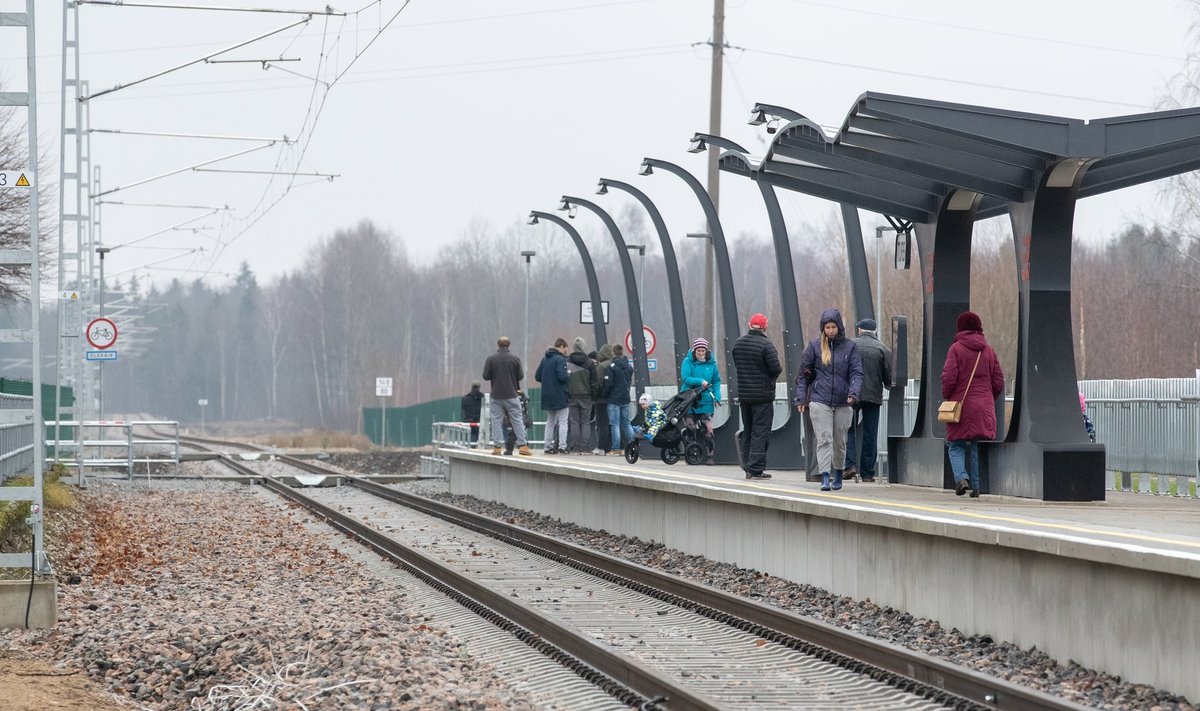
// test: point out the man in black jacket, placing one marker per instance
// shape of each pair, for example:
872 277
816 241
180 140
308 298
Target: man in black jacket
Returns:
472 405
756 366
504 371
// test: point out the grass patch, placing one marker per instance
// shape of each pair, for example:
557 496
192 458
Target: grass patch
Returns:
317 439
56 496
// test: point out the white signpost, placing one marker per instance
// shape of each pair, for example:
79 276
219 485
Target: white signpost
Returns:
203 403
585 311
383 390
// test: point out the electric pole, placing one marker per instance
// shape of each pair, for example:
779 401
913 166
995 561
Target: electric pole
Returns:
714 175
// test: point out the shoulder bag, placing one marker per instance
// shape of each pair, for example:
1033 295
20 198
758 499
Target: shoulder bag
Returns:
951 410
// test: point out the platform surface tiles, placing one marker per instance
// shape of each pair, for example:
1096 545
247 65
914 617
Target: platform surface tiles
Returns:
1113 585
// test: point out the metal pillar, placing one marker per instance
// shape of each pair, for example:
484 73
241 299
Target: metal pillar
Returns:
599 331
641 372
528 254
679 329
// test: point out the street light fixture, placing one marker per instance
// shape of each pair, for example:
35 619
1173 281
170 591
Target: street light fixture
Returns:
528 254
645 169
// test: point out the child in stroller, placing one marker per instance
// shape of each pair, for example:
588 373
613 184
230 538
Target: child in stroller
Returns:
670 428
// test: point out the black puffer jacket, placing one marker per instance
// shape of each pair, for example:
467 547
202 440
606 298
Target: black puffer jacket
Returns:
756 364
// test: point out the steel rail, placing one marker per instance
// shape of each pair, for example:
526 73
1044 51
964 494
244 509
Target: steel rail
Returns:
623 678
885 662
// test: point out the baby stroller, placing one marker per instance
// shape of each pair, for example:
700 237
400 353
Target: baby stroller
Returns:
677 436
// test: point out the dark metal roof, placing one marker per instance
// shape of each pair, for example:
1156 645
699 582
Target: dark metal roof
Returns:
902 156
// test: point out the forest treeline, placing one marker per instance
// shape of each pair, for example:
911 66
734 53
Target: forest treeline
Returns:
306 346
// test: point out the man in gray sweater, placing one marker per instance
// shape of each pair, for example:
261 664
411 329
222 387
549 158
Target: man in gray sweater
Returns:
503 370
877 375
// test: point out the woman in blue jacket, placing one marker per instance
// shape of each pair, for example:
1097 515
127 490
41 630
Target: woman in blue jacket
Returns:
827 386
699 370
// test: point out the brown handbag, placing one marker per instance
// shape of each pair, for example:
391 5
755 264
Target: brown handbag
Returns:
951 410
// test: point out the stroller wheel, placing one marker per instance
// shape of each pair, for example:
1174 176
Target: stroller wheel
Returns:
687 436
693 453
669 455
632 452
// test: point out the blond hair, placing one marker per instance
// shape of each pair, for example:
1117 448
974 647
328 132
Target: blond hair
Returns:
826 354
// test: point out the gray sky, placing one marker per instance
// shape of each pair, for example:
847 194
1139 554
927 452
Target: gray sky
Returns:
469 110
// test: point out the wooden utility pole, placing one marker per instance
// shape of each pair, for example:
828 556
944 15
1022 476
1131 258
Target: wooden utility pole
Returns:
714 175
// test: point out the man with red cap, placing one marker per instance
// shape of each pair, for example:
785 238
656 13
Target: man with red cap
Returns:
756 366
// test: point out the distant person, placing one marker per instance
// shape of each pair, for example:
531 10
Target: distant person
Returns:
616 391
581 383
503 370
1087 421
472 406
699 370
756 363
827 386
552 374
877 378
971 376
510 437
603 432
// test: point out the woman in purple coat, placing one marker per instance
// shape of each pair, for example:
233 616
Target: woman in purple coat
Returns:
970 353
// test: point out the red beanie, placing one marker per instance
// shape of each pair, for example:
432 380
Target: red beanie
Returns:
969 321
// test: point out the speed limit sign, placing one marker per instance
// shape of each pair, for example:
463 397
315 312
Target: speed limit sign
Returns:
101 333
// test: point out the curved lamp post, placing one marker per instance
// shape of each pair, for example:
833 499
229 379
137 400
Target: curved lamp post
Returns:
599 332
641 372
679 329
784 451
726 434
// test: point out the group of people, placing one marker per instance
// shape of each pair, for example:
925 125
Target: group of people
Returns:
840 384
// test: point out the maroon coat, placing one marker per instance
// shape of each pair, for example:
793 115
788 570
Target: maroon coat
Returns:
978 419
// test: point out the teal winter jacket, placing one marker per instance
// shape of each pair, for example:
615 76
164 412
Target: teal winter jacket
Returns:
694 373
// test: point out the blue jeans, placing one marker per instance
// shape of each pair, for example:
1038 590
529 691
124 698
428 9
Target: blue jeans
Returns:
618 425
869 425
959 448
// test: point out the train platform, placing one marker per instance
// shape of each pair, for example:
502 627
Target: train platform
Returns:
1113 585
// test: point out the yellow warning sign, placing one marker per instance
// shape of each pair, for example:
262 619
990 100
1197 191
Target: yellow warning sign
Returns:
15 179
22 182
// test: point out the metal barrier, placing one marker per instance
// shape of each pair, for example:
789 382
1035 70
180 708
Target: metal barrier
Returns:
16 438
85 453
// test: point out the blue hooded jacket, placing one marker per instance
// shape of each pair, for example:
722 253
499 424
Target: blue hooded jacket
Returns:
694 373
552 374
835 383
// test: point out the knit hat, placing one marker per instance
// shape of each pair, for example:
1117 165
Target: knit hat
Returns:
580 345
969 321
867 324
758 321
700 343
644 399
475 383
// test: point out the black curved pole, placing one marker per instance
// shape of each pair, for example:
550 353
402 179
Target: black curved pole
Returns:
729 312
856 256
599 332
641 371
679 329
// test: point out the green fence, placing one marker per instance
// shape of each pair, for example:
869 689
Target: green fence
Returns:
412 426
9 386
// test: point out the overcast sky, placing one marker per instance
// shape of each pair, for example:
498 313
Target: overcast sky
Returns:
474 110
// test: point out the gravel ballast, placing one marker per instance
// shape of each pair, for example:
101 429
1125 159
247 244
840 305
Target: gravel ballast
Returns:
208 595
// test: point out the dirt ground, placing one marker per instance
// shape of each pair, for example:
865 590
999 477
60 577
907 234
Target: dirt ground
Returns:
27 684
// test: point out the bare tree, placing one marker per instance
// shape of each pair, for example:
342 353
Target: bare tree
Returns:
14 207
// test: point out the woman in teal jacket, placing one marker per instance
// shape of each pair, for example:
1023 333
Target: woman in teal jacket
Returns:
699 370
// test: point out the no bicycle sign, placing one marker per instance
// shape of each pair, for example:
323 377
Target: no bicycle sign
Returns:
101 333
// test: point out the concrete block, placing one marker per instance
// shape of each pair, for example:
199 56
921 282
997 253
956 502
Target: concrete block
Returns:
43 608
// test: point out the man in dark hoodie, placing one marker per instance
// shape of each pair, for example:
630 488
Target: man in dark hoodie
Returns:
616 391
756 365
472 406
603 431
552 374
581 381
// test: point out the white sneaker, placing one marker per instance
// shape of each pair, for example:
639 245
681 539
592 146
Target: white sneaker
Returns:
598 452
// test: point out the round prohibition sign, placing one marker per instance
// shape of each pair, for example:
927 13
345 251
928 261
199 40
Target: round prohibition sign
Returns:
651 340
101 333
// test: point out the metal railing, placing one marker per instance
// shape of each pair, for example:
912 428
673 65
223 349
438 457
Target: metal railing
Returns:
84 452
16 438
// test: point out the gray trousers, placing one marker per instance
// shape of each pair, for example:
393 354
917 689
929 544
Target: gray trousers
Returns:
830 425
556 429
515 416
579 424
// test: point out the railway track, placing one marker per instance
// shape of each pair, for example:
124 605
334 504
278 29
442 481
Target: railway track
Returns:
648 638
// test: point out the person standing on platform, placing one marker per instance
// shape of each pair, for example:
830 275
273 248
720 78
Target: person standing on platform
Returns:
503 370
472 406
877 379
971 376
581 382
699 370
552 374
756 363
827 386
603 431
616 391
